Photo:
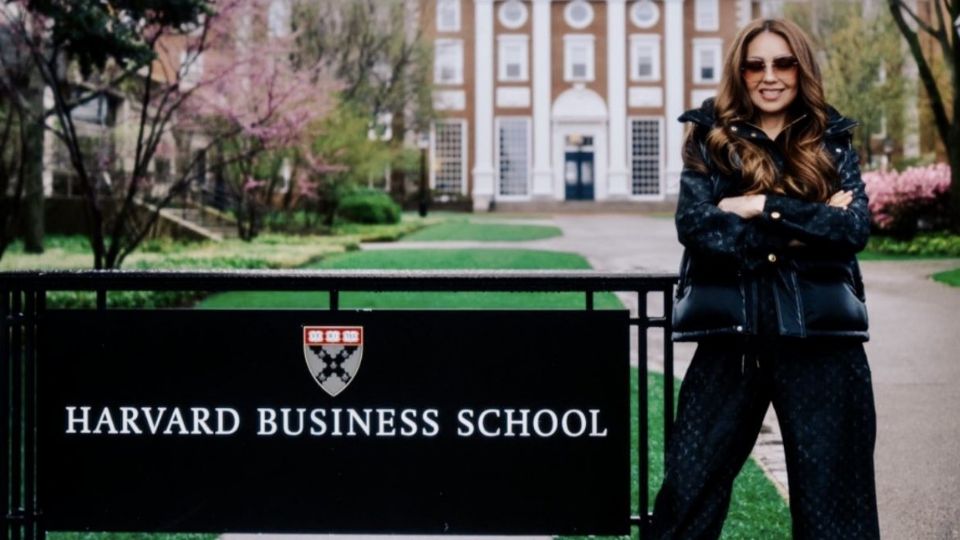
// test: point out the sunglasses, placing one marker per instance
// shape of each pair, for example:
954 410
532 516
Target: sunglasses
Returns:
753 70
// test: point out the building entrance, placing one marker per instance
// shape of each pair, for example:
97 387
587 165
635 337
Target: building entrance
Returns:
578 170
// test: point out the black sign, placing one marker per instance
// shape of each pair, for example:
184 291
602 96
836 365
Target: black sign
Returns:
365 422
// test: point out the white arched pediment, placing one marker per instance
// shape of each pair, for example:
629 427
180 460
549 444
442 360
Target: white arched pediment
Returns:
580 105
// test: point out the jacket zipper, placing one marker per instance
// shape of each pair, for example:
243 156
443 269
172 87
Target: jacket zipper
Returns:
784 128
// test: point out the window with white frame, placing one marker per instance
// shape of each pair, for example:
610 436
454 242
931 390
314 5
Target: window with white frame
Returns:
645 156
644 14
278 18
578 14
513 14
513 157
512 54
707 14
706 60
449 156
448 15
645 57
448 62
191 67
578 58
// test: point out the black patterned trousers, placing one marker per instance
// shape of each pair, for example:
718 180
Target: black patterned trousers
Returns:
822 393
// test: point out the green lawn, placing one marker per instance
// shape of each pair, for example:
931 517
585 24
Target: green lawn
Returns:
950 277
476 259
756 511
870 255
485 232
127 536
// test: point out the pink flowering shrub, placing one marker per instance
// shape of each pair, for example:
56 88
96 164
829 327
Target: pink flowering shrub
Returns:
900 201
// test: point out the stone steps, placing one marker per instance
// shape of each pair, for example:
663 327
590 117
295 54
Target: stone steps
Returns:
585 207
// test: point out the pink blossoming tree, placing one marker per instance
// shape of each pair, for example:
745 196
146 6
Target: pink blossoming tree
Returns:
900 201
258 106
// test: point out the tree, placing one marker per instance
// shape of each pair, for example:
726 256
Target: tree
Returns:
381 59
942 33
82 50
152 53
340 155
11 138
861 57
259 108
21 145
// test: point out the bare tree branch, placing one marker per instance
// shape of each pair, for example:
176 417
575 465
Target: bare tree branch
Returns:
923 66
919 22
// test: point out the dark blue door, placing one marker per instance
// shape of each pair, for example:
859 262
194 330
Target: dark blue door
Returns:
578 175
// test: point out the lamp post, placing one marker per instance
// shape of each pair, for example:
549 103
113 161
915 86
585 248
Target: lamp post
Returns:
424 145
887 152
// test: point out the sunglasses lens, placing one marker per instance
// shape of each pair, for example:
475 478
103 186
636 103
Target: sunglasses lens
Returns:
755 69
784 63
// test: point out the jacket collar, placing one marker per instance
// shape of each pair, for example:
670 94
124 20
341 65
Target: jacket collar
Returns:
704 116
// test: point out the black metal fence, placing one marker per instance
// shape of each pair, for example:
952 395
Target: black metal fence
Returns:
23 300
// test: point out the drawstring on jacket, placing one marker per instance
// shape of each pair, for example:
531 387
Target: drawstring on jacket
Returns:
743 361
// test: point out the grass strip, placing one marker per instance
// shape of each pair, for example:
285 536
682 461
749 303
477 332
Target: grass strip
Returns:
483 232
950 277
473 259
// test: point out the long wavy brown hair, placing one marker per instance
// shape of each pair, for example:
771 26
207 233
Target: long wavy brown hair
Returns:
808 172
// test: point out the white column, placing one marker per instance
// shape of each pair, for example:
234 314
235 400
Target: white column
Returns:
911 116
675 92
617 97
483 191
744 12
542 173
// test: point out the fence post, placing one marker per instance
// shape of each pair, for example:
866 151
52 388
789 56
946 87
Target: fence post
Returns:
6 419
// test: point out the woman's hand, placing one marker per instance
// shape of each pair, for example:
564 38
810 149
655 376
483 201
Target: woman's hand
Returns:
745 206
840 199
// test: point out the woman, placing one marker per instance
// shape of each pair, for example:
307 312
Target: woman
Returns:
771 212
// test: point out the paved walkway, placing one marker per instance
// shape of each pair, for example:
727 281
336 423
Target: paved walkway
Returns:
915 329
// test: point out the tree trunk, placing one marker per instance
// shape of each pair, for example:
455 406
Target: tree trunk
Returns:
398 178
33 219
953 156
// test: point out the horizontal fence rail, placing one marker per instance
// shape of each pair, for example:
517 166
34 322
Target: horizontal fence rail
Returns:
23 302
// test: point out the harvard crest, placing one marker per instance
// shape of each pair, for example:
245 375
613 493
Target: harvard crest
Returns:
333 355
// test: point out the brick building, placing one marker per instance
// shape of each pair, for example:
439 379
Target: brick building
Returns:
561 100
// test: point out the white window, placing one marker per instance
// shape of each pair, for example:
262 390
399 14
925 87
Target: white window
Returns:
278 18
578 58
448 15
706 60
645 156
94 111
448 64
449 163
645 57
191 67
707 14
644 14
513 156
513 14
512 53
578 14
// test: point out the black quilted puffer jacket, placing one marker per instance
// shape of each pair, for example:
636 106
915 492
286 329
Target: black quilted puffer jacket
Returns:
817 287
